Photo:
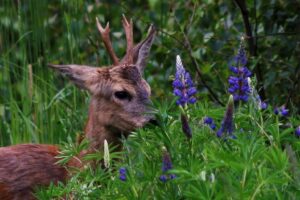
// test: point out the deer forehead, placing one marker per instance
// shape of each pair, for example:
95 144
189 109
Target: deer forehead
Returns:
140 88
129 72
121 78
128 78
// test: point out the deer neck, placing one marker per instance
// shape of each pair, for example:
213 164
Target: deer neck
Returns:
96 130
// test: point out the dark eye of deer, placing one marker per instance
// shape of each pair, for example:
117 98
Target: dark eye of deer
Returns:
123 95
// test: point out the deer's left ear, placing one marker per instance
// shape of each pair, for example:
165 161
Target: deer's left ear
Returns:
84 77
141 51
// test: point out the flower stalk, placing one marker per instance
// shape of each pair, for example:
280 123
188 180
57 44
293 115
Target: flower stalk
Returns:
166 166
106 156
239 85
226 128
185 90
183 85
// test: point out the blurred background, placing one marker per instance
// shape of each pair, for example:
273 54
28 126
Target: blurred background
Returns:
38 105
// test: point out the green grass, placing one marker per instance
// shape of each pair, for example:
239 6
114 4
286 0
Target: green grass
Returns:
39 106
32 96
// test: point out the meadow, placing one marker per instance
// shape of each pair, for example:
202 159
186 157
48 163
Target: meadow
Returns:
207 144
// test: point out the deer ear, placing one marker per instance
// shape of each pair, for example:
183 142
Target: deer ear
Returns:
84 77
142 50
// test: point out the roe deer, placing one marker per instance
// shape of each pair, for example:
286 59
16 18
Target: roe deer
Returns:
118 105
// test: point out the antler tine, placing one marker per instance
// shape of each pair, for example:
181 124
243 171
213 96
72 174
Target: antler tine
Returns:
128 28
104 32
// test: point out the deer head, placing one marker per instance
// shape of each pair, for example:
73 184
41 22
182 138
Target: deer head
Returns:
119 95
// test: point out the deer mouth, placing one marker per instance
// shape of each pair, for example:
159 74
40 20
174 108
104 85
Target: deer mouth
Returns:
124 125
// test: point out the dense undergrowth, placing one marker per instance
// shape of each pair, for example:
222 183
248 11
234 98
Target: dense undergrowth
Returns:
261 162
260 159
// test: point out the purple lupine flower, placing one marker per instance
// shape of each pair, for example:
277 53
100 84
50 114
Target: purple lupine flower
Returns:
183 85
163 178
282 111
213 126
166 166
297 131
186 129
172 176
263 105
166 161
122 177
276 111
227 123
210 122
239 85
122 174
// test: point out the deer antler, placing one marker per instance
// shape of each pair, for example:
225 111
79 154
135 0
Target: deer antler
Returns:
104 32
128 28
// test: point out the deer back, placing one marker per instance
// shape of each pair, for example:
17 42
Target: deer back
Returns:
22 167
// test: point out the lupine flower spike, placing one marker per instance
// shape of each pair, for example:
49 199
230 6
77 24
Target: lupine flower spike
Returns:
106 157
183 85
227 123
185 91
239 86
297 131
166 166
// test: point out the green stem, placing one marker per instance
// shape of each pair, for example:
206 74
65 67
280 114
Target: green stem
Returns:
277 131
244 177
182 110
134 191
192 151
257 190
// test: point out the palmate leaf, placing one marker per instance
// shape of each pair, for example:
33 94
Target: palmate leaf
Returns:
71 151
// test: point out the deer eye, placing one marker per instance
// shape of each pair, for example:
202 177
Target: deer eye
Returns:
123 95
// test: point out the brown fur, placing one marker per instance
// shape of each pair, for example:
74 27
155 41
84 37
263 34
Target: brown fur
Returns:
27 166
23 166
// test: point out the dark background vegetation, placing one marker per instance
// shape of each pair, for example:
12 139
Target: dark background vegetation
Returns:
37 105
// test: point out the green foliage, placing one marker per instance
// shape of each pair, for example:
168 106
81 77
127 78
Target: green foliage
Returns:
254 165
38 106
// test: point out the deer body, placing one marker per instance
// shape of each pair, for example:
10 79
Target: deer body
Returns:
118 105
25 166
